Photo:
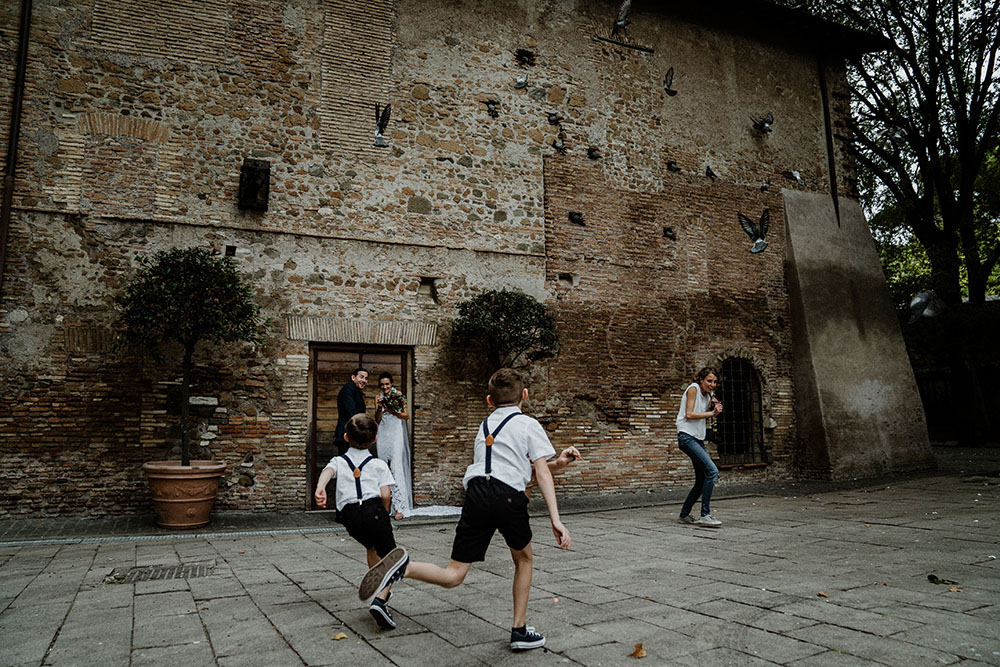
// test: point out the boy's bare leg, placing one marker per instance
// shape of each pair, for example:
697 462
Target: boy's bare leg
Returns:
523 559
373 558
447 577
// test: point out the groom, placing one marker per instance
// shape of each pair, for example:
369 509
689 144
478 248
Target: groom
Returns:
350 402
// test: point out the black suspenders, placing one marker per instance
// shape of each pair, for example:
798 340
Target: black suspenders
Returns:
357 472
490 437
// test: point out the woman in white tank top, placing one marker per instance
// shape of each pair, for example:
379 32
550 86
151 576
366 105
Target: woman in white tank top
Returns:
698 404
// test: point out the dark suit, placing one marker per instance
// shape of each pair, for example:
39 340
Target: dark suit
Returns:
350 402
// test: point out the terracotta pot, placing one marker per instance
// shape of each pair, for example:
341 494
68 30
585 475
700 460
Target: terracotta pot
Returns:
183 495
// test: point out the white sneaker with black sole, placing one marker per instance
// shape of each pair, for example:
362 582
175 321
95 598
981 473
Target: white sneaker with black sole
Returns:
529 639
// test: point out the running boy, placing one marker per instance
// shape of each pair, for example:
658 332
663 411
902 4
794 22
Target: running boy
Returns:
363 498
509 445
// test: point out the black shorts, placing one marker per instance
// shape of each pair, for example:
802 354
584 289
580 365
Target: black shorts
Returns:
490 505
368 523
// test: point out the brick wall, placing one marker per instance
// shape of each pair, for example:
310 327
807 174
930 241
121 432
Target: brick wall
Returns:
132 142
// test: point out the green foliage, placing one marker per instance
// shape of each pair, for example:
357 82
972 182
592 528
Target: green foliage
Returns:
186 295
926 129
507 326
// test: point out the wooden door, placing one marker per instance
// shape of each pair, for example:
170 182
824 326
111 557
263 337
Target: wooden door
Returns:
331 367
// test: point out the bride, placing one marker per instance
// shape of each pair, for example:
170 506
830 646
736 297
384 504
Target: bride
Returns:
393 445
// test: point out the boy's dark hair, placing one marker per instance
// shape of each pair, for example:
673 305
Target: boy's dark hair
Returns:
385 374
506 387
358 370
361 431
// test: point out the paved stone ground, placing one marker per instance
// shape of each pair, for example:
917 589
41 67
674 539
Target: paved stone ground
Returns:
748 594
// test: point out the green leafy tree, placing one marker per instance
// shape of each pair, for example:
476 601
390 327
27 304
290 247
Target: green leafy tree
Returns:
926 129
510 327
186 295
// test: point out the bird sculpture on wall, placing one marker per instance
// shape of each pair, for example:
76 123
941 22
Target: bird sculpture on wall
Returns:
576 218
672 166
763 125
381 123
710 173
765 186
558 144
521 81
668 83
669 233
491 108
554 118
756 231
593 153
622 20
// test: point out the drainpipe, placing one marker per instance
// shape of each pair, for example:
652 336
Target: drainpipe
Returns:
12 135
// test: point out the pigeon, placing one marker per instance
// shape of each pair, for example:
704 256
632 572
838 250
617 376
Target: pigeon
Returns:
521 81
793 176
926 304
672 166
756 232
763 125
558 144
764 187
710 173
669 233
381 122
622 21
934 579
576 218
555 119
524 57
668 82
593 153
491 108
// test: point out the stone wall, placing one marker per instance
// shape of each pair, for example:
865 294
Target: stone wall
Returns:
135 127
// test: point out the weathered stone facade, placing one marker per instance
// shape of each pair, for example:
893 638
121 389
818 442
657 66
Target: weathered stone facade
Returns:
137 117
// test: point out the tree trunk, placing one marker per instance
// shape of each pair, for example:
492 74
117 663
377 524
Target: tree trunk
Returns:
186 405
945 273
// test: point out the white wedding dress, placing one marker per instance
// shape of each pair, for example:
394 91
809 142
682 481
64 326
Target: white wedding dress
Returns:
394 448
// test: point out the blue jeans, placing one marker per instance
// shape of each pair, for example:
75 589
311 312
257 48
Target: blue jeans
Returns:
705 473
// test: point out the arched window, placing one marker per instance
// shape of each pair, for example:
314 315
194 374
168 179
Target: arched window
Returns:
739 430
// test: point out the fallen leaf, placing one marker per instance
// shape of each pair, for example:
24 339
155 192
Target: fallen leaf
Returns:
955 590
639 651
337 637
242 552
868 525
823 594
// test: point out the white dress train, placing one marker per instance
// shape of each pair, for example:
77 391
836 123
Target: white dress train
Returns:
394 448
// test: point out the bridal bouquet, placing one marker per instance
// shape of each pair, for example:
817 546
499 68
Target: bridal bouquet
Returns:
394 400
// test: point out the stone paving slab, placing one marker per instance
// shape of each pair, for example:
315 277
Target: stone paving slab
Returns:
746 594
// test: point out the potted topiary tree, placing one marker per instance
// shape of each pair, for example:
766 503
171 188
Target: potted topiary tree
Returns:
185 295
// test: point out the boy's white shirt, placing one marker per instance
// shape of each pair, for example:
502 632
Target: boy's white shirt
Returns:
374 476
521 442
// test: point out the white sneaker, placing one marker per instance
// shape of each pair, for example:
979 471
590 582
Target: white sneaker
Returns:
708 520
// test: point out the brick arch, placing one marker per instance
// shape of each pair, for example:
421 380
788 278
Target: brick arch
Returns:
117 125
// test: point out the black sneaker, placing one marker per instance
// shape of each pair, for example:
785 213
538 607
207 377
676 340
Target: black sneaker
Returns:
384 573
523 641
380 612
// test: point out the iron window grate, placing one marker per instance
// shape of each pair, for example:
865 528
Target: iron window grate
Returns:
739 430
